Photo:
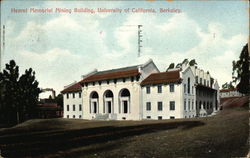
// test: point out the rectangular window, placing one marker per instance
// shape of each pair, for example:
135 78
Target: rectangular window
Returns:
171 86
159 89
67 107
171 105
74 116
159 106
73 95
148 90
67 95
185 105
148 117
67 116
80 107
196 79
80 116
172 117
184 88
159 117
200 80
74 108
192 105
189 105
148 106
192 89
80 94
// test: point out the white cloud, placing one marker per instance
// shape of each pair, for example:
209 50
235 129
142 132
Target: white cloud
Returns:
67 46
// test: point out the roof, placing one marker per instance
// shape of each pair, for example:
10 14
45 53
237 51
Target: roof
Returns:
201 86
73 88
228 90
162 77
112 74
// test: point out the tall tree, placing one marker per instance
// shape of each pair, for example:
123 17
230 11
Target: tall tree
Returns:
240 72
18 94
59 100
29 91
9 91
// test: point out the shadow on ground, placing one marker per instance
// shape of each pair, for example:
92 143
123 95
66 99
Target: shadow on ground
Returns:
36 144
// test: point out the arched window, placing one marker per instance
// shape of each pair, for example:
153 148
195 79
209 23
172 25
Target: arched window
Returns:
94 102
188 86
108 102
124 101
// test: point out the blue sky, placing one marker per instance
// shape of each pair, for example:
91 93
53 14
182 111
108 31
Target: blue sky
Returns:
61 47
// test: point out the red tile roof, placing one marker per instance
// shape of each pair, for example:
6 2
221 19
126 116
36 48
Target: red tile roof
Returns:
162 77
111 75
73 88
228 90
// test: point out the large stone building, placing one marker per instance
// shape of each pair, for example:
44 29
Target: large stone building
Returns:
142 92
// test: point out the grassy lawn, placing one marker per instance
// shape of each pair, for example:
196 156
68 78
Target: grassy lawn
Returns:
223 135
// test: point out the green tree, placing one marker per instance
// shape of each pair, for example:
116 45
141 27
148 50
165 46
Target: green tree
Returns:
59 100
29 91
9 92
18 94
227 85
240 72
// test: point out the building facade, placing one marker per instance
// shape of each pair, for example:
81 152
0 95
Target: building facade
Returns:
142 92
72 101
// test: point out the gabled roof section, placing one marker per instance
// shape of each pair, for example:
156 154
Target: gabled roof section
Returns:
112 74
162 77
73 88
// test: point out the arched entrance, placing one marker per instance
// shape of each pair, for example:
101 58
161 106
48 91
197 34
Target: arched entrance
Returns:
124 101
108 102
94 102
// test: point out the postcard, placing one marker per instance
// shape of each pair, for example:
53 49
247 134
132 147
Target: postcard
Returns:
124 78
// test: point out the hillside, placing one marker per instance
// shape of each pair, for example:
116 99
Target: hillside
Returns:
223 135
234 102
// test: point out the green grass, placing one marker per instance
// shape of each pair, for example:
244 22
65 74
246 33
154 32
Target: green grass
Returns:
223 135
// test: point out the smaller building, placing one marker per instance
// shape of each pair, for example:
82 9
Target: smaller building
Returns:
49 110
232 92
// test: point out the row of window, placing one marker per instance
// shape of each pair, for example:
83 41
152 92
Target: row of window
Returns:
204 93
159 89
114 81
74 116
74 107
160 106
74 95
205 105
160 117
188 91
204 82
190 116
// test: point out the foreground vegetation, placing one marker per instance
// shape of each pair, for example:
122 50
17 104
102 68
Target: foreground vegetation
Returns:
223 135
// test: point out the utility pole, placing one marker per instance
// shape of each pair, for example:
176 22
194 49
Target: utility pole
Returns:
139 40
